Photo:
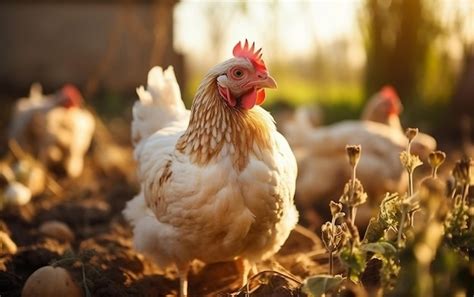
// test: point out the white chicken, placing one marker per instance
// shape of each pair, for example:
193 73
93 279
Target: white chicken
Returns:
323 167
385 107
302 119
54 128
322 161
217 182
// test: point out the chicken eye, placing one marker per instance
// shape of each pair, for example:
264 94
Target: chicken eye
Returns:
237 73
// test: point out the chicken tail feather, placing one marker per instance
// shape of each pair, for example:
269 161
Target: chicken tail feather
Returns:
158 105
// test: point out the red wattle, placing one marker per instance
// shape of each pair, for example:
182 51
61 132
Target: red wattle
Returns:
249 99
260 96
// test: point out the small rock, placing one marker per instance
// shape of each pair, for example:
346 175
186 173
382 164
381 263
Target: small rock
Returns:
16 194
31 174
57 230
49 281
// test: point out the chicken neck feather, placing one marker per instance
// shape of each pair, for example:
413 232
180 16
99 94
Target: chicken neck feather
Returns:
214 124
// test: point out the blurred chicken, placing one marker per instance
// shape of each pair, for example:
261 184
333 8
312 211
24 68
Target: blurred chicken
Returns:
217 181
302 119
323 168
322 163
385 107
54 128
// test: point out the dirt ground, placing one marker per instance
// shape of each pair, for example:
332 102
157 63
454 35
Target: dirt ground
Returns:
101 257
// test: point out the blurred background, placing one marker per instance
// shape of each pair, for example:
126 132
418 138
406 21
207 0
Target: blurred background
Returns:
330 53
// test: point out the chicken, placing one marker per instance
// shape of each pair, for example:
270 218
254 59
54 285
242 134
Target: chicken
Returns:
385 107
303 118
323 166
54 128
217 182
322 163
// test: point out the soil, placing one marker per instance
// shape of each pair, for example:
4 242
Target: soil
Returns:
101 257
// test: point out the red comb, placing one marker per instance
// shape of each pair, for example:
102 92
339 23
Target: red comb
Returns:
254 56
389 92
72 94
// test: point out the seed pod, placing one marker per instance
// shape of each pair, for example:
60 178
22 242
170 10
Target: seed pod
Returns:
411 133
335 208
462 171
353 153
436 158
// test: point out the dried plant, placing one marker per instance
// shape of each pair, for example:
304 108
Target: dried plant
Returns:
460 219
409 161
435 159
412 257
333 234
354 194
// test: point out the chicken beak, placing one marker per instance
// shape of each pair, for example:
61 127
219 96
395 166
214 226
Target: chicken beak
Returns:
268 82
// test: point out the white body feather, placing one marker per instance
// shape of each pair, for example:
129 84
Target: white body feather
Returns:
159 105
324 167
213 212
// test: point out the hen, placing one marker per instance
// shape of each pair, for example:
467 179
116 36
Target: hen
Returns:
302 119
217 182
323 166
385 107
54 128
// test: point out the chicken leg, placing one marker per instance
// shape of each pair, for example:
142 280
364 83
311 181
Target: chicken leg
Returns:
183 279
243 269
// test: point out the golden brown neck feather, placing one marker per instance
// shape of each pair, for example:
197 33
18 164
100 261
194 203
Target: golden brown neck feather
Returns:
213 124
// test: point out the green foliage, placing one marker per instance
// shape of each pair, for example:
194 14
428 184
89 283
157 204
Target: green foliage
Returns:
355 260
389 272
380 247
447 270
317 286
459 223
390 212
375 230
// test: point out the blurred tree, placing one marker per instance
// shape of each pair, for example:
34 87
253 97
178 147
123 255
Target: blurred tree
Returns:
398 34
463 99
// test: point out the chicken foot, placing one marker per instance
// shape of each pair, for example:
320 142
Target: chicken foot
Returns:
243 269
183 270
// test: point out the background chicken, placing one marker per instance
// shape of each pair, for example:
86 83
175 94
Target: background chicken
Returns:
385 107
218 181
303 118
54 128
322 162
323 167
